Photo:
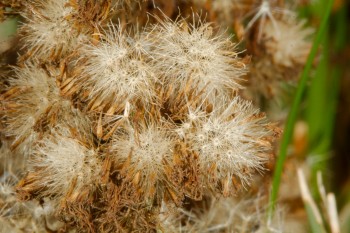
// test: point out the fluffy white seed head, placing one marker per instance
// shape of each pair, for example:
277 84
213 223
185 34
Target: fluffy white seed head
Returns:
146 150
287 41
192 53
115 70
32 102
233 138
48 33
34 94
62 161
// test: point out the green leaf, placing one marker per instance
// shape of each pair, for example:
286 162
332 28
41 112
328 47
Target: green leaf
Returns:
288 130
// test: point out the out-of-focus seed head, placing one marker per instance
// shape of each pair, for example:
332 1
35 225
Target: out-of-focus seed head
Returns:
287 42
240 214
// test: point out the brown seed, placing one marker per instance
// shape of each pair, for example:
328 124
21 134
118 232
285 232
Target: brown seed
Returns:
99 130
13 92
136 179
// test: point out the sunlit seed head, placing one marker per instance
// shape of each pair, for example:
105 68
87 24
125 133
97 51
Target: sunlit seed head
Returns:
36 103
62 160
185 53
47 33
230 137
148 148
115 70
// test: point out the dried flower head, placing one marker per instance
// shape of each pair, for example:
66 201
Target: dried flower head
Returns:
278 62
47 33
60 165
33 104
192 53
28 98
232 142
112 72
143 150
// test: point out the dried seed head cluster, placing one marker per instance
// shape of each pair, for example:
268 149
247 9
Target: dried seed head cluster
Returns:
143 151
28 98
231 141
47 32
272 33
118 120
283 50
60 165
32 105
192 53
18 216
113 72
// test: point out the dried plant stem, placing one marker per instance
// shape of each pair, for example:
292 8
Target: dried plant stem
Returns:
288 131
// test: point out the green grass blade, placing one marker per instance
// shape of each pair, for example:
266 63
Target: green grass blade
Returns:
288 131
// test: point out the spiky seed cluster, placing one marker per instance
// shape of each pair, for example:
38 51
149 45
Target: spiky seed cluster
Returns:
30 95
61 165
114 71
287 41
189 53
144 151
33 104
232 142
166 127
47 33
